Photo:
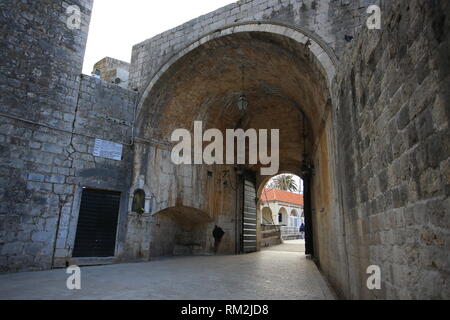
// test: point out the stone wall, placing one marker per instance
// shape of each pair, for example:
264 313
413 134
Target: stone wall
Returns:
392 110
186 204
104 111
50 117
41 60
45 170
328 21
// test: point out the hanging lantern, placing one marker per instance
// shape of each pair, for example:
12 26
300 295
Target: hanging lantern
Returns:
242 103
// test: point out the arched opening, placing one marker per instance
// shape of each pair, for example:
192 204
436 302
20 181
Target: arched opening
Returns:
283 194
267 217
287 89
180 231
138 205
294 219
283 216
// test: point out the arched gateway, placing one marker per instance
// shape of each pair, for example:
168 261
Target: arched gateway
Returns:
369 136
285 74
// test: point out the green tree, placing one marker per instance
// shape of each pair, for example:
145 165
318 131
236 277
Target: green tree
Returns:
284 182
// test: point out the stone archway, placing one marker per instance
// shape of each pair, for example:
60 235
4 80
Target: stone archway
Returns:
324 55
287 79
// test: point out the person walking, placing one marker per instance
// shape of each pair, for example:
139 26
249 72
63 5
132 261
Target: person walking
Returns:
218 234
302 231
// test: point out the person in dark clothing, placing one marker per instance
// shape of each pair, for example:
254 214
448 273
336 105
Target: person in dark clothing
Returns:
302 231
218 234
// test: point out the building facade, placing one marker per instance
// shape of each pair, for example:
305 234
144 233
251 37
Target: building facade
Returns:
282 208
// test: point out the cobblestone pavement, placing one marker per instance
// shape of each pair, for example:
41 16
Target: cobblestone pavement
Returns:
280 272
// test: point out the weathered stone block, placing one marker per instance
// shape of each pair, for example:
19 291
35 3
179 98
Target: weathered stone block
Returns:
12 248
36 177
42 236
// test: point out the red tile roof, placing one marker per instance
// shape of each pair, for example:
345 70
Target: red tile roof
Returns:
280 195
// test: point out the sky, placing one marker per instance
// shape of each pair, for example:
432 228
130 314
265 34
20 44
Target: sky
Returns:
117 25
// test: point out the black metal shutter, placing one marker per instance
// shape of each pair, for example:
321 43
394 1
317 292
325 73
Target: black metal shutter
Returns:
249 217
97 224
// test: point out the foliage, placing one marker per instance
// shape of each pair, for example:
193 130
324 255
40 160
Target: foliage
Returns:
284 182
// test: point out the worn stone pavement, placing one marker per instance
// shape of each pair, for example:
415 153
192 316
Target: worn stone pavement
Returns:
280 272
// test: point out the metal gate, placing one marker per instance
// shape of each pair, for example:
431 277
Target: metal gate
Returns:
97 224
249 217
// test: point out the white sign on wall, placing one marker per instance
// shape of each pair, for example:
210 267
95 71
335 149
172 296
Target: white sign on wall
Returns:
108 149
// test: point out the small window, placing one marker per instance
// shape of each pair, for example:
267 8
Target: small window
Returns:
138 201
280 217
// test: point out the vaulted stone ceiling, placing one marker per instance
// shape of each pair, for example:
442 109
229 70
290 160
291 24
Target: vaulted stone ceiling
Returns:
282 83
